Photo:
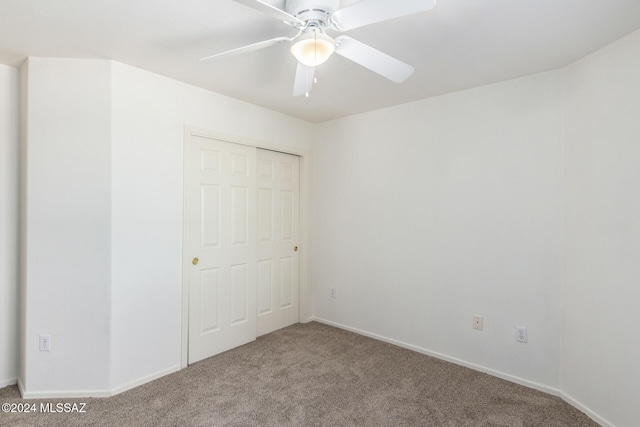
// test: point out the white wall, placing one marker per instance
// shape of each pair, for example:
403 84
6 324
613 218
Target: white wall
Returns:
104 218
67 218
423 215
601 335
149 115
9 178
431 212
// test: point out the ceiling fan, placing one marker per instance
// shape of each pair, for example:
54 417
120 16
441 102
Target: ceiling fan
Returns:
312 45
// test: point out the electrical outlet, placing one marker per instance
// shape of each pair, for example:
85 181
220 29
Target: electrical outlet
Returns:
332 292
45 342
521 334
477 322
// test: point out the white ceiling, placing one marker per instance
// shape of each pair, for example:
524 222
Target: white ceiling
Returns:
458 45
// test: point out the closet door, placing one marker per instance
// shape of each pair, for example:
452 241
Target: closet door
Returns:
220 245
278 255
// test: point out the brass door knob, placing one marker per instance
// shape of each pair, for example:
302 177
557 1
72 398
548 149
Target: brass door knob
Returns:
195 261
295 248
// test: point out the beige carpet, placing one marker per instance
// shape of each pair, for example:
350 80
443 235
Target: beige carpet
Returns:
315 375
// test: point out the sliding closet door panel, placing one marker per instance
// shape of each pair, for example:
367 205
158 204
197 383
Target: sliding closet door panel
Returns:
278 230
220 245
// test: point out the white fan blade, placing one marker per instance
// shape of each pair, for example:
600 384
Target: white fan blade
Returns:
270 10
378 62
304 80
245 49
367 12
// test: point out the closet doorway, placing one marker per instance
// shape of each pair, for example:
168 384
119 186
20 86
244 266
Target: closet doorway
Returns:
241 258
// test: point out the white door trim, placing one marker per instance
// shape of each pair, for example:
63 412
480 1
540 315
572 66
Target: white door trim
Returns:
305 247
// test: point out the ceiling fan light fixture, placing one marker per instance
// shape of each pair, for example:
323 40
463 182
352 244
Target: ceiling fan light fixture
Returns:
313 48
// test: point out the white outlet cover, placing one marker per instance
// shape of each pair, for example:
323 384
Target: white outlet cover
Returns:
521 334
477 322
45 342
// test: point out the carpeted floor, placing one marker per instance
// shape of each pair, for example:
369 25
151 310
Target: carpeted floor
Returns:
314 375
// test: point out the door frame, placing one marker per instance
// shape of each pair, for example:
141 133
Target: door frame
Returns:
304 293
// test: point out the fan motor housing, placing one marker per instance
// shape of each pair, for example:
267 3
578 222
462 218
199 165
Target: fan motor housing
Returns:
312 10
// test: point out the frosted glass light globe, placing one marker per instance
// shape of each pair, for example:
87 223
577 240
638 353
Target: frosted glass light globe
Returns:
313 48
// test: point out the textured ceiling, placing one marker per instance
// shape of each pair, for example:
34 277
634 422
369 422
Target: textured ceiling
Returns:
457 45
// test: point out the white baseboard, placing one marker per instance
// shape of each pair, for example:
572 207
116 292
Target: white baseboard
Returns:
307 320
511 378
62 394
140 381
8 381
504 376
595 417
59 394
